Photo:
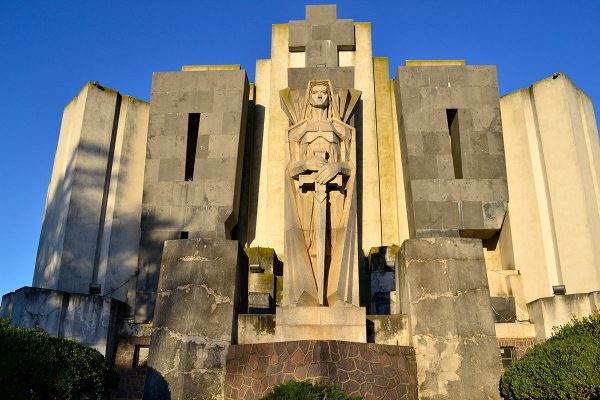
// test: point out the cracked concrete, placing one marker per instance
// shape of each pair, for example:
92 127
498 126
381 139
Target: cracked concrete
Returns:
197 300
444 293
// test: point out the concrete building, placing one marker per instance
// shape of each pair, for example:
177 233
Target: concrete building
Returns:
452 231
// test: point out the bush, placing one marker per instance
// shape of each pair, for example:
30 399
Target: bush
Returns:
566 366
36 366
293 390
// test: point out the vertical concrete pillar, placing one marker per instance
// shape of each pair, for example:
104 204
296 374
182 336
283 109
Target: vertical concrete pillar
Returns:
444 291
200 288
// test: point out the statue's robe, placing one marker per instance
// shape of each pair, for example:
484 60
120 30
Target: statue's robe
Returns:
341 266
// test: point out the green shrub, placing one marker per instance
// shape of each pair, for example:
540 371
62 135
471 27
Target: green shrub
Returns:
36 366
293 390
566 366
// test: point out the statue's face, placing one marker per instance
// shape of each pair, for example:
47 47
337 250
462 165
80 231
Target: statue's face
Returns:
319 96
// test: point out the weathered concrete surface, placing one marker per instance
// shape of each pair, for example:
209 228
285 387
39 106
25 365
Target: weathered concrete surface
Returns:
372 371
550 312
90 231
552 163
321 323
200 288
256 328
388 329
444 293
205 203
452 150
264 269
88 319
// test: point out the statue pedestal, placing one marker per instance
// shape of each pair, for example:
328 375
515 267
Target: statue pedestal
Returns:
321 323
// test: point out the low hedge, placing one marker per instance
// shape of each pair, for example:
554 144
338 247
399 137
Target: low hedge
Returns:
566 366
294 390
36 366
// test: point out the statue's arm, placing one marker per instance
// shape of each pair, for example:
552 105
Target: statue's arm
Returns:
346 168
296 168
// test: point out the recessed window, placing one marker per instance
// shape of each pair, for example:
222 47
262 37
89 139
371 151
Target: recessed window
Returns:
192 142
452 117
184 235
140 357
508 355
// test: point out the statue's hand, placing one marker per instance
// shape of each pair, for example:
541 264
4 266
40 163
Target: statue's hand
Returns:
315 163
327 173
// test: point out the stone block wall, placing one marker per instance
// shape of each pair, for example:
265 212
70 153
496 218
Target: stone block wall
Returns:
452 150
191 189
360 369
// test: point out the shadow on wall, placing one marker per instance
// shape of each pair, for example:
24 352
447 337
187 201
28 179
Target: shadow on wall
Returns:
85 238
156 387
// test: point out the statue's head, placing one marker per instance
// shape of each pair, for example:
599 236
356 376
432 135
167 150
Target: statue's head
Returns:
319 95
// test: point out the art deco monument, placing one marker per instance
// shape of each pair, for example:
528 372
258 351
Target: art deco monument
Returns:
325 222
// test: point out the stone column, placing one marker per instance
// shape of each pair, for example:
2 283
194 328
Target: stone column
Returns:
194 320
444 292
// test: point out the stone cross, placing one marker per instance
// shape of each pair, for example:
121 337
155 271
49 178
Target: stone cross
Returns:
321 36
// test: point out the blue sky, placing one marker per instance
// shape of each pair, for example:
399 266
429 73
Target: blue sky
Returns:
50 49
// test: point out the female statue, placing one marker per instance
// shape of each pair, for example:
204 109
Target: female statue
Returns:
320 205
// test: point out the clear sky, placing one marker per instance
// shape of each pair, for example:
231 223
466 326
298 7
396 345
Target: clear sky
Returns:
50 49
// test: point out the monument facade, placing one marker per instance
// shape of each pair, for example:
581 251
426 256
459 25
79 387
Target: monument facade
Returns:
324 222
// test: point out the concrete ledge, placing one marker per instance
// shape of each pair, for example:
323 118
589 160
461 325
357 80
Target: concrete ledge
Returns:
321 323
88 319
515 330
550 312
432 63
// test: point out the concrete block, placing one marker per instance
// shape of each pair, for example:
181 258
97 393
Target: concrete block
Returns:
211 123
445 279
228 100
342 34
151 170
260 303
256 328
198 295
88 319
388 329
321 14
504 309
321 323
298 35
550 312
222 146
171 169
232 123
261 283
340 77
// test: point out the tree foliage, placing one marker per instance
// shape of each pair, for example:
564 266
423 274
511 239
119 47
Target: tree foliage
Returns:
294 390
566 366
36 366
